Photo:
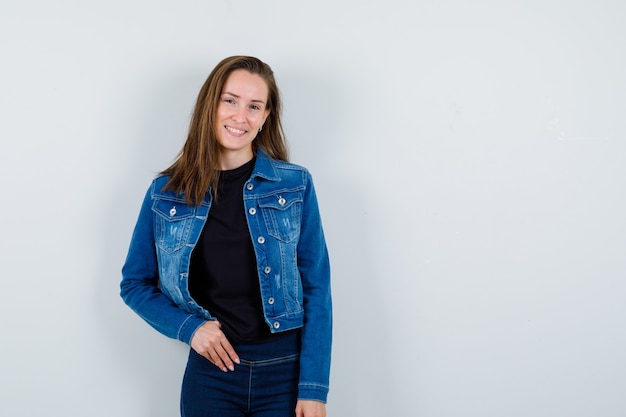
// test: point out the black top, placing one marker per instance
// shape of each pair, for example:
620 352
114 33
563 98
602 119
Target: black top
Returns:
223 274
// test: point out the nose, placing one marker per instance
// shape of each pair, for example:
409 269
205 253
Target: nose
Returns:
239 114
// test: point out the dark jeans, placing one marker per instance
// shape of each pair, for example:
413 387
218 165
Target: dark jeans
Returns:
265 384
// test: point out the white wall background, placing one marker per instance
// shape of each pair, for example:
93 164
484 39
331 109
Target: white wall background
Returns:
470 160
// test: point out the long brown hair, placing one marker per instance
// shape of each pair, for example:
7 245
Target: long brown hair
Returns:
196 169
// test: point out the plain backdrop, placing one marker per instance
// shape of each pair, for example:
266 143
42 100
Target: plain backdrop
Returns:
470 162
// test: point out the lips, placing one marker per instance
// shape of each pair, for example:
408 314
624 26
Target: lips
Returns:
235 131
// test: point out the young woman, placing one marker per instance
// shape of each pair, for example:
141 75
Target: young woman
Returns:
228 255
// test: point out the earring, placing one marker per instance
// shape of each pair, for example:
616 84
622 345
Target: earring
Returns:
261 128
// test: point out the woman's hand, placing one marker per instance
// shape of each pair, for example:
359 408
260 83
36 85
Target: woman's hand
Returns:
210 342
309 408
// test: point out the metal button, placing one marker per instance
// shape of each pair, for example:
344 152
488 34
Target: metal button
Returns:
261 240
252 211
173 211
271 301
276 325
267 269
281 201
250 186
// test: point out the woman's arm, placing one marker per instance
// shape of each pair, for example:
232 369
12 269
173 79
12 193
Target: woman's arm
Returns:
314 267
140 282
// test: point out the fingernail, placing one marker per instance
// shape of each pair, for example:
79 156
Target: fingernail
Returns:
232 368
237 361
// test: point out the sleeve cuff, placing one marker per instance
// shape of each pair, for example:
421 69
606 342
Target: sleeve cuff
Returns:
189 327
312 392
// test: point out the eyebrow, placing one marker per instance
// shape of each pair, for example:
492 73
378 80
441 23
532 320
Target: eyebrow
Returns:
236 96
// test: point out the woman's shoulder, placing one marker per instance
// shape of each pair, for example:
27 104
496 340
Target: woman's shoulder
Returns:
160 181
278 164
291 166
158 191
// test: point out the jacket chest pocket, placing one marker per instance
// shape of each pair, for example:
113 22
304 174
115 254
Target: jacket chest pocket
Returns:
172 224
282 214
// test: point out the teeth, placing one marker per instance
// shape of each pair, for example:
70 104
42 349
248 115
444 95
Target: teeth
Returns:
236 131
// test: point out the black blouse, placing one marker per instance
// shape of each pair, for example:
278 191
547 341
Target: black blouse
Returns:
223 273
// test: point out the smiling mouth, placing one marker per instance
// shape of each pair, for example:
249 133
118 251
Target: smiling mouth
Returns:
235 131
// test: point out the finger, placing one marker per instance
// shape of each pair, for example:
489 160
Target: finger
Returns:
215 359
224 357
230 351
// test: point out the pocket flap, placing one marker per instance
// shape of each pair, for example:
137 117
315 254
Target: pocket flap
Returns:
280 201
172 210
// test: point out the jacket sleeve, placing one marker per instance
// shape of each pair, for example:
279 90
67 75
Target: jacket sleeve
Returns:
140 283
314 268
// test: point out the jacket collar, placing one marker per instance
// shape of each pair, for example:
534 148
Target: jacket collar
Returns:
265 167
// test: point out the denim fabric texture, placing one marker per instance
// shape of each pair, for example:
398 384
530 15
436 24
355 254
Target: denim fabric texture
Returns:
292 263
264 384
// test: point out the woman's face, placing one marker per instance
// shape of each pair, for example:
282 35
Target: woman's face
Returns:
241 111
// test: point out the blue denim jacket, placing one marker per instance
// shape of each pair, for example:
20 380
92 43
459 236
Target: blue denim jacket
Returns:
292 263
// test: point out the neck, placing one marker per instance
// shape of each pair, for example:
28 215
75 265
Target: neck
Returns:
234 159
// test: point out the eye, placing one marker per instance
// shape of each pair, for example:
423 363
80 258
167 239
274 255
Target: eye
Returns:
229 100
255 107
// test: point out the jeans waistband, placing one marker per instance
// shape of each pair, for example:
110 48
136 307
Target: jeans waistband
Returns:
277 347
